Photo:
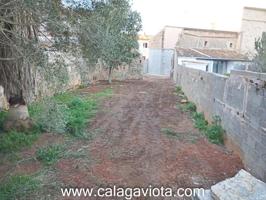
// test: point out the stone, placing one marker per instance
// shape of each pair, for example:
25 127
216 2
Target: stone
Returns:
241 187
18 119
184 101
3 101
205 196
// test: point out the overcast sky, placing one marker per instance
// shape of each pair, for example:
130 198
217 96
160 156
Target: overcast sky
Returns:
211 14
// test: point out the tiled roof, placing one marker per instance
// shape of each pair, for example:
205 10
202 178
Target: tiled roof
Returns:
185 52
211 54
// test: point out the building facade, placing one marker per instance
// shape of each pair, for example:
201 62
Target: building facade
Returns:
253 25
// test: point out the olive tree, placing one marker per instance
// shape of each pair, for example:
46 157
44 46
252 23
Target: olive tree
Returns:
109 33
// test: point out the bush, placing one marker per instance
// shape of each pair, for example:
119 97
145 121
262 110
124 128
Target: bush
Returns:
50 115
18 187
49 155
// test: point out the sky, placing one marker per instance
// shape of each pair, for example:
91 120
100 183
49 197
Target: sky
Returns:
209 14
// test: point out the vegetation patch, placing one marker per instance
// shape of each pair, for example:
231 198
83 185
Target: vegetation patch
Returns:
3 115
18 187
170 132
15 141
50 154
214 131
191 107
67 112
199 121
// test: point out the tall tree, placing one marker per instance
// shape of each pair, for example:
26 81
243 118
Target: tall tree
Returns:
260 58
109 33
24 25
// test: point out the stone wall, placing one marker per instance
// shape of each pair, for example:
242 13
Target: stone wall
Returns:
240 101
77 72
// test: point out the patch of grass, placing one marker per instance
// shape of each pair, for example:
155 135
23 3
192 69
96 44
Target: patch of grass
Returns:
191 107
178 89
18 187
67 112
3 115
199 121
50 154
80 111
14 141
170 132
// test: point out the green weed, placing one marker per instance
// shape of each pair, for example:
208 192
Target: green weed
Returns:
50 154
18 187
191 107
67 112
199 121
178 89
215 132
14 141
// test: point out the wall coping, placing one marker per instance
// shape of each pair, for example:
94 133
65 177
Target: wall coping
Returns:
249 74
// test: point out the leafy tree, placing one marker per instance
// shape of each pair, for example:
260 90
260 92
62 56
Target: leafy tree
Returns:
260 58
109 33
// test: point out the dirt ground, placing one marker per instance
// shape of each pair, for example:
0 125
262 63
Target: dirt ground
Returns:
130 148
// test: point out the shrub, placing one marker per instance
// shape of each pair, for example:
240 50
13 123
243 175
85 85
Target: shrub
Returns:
50 154
18 187
50 115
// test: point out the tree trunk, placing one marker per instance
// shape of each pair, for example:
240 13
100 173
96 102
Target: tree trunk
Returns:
110 75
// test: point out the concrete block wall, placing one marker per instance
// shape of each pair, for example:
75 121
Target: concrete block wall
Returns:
240 101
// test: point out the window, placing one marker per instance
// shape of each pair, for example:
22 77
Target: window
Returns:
145 45
205 43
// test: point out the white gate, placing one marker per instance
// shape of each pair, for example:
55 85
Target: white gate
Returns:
160 61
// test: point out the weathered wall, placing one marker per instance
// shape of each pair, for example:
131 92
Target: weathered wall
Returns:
167 38
193 38
75 72
79 72
156 41
253 25
240 101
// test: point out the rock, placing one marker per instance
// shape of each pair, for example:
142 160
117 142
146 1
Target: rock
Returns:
3 101
241 187
205 196
184 101
18 119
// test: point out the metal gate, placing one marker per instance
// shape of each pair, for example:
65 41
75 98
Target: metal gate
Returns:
160 61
